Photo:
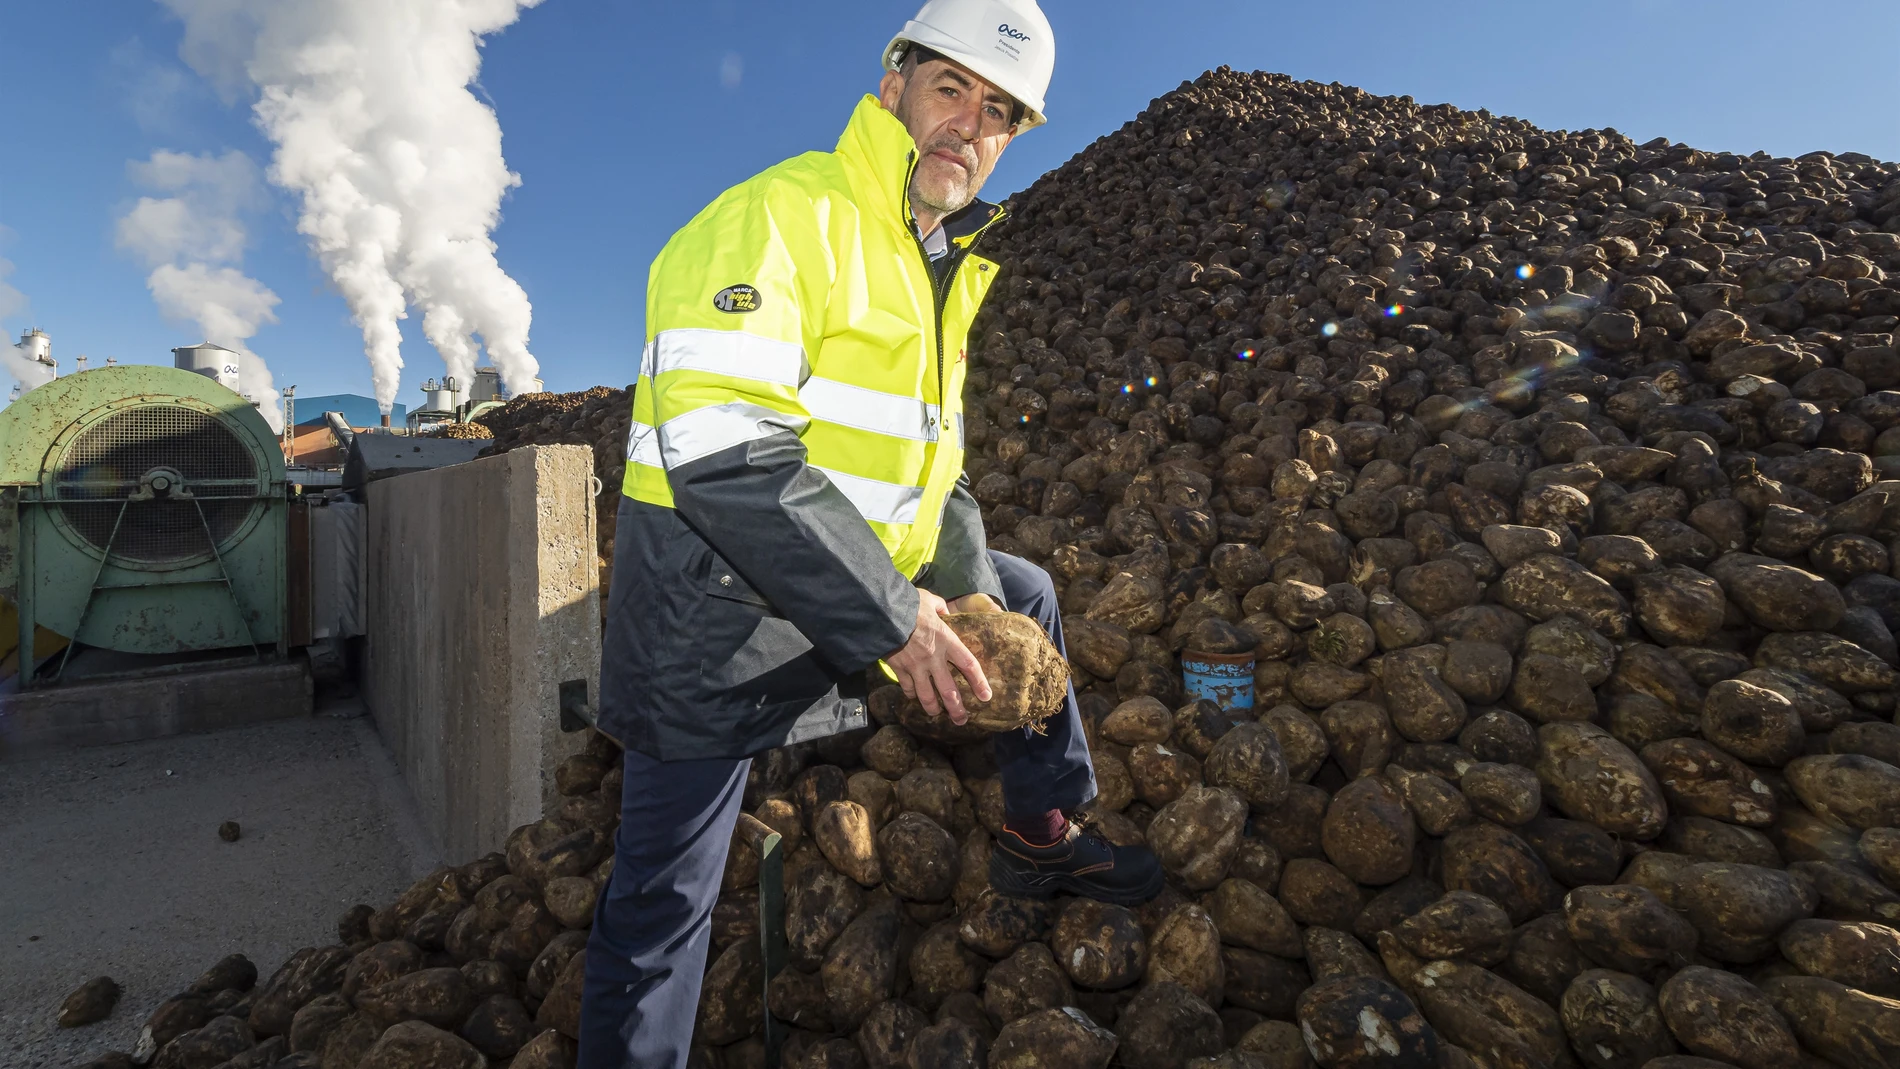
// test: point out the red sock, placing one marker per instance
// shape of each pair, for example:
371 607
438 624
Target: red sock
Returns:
1042 829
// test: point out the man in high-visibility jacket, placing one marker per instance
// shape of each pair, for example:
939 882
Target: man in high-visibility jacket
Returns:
793 512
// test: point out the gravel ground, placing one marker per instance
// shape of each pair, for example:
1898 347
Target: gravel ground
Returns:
112 864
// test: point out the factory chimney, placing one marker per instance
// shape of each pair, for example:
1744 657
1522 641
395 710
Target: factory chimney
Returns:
385 421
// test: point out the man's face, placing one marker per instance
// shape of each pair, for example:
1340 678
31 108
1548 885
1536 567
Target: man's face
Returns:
961 126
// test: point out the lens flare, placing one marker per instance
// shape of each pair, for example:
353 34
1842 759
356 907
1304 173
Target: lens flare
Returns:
1276 196
1329 329
1525 270
1244 354
1151 380
1395 310
1128 387
1525 377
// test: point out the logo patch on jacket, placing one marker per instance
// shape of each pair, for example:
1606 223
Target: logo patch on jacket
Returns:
737 299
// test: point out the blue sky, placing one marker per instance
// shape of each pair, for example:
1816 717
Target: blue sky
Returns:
623 119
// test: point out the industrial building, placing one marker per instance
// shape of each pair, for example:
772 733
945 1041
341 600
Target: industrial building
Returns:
356 640
152 523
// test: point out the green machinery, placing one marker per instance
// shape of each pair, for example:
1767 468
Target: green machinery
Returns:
142 510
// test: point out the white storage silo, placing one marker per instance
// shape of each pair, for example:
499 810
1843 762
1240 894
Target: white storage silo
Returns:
213 362
443 397
37 346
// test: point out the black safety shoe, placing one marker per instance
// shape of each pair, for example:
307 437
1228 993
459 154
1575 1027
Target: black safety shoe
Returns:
1082 862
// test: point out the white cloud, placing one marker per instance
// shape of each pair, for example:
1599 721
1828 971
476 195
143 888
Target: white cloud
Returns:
227 303
218 36
229 307
158 92
202 218
12 301
230 179
159 230
193 239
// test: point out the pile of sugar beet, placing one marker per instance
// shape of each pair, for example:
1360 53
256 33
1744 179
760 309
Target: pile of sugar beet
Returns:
1544 474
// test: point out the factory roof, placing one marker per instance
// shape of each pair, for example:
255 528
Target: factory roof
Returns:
380 456
358 411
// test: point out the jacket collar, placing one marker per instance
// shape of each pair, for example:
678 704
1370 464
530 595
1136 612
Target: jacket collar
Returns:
877 144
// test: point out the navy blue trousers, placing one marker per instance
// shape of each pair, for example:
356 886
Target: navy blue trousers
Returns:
1050 770
653 923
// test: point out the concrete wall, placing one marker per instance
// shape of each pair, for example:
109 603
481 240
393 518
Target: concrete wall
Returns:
127 710
482 596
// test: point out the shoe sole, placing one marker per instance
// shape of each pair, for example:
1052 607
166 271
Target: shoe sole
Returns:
1006 880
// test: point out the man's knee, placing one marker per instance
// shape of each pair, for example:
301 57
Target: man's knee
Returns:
1025 586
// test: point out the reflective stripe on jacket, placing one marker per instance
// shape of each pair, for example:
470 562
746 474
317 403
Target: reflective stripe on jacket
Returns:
801 301
794 467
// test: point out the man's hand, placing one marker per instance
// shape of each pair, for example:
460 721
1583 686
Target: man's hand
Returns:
923 665
974 603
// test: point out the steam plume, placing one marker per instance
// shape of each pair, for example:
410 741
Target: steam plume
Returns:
185 237
398 165
22 368
19 366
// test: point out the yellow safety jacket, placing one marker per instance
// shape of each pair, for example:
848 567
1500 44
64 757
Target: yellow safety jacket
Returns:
793 469
801 300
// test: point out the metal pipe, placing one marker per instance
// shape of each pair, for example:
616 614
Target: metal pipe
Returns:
340 427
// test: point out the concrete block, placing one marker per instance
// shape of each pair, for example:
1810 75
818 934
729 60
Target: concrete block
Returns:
128 710
482 596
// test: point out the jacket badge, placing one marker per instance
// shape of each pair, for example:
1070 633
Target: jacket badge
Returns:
737 299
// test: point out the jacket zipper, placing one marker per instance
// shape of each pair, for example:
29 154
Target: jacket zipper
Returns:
930 272
939 292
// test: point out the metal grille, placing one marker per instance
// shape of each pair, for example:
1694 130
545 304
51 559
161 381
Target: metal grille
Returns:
104 464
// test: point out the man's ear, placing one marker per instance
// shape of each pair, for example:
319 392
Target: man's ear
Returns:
890 90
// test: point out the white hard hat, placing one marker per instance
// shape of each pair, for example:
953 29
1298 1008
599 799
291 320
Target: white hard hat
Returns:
1008 43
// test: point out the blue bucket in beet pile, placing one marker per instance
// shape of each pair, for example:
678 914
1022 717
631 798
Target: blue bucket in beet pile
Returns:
1226 679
